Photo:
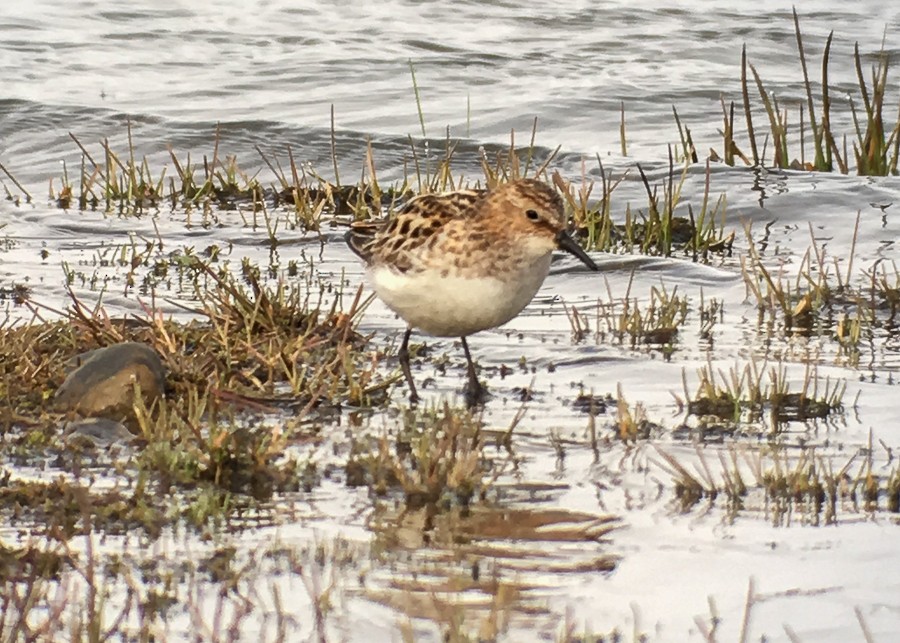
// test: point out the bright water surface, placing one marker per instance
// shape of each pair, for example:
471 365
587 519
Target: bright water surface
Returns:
269 73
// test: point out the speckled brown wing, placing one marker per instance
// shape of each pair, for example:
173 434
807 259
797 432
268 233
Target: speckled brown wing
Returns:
449 205
415 224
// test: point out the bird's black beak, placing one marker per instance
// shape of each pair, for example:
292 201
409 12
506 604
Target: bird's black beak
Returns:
564 241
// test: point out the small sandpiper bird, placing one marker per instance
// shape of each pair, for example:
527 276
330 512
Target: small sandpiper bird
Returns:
461 262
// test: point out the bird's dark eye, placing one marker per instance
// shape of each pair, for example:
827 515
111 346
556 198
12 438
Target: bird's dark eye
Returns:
532 214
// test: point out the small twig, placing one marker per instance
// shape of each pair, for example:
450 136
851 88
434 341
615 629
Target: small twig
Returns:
13 179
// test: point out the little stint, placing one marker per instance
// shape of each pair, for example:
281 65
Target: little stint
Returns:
461 262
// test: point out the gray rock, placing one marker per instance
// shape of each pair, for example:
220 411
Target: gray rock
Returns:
102 385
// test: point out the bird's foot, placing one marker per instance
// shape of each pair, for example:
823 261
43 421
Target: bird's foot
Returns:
475 394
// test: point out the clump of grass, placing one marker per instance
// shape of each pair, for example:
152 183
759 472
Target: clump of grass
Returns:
627 422
799 301
875 138
748 394
654 229
312 196
825 298
883 289
656 323
690 484
128 186
631 423
252 351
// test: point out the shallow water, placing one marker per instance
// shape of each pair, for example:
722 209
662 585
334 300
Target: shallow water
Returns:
269 73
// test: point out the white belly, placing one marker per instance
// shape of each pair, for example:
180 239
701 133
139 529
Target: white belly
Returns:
455 306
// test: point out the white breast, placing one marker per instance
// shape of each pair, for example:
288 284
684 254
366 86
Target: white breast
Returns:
454 306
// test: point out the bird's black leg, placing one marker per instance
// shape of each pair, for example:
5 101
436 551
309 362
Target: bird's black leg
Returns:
475 393
403 354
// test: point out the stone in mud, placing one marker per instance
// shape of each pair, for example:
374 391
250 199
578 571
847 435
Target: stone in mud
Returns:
97 432
103 384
